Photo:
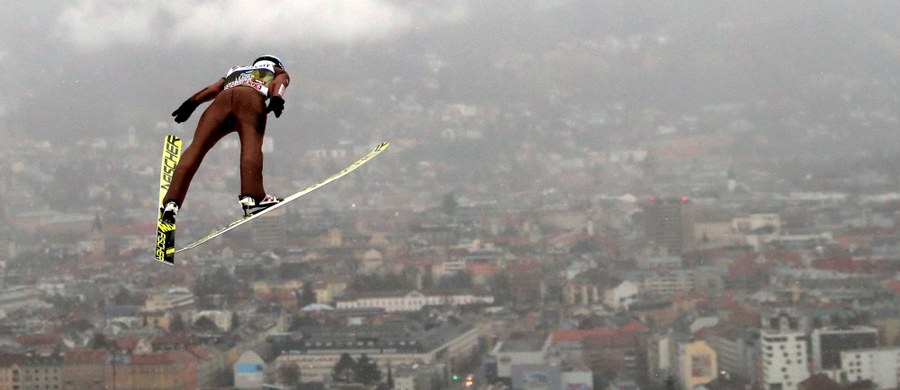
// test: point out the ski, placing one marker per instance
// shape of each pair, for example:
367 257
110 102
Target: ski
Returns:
378 149
165 232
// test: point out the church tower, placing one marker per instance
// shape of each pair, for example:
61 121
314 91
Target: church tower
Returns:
98 238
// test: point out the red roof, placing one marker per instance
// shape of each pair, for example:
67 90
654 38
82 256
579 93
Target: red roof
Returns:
201 352
819 382
744 266
85 356
482 269
628 340
893 285
171 338
840 264
785 257
9 359
581 334
38 339
280 295
162 358
127 343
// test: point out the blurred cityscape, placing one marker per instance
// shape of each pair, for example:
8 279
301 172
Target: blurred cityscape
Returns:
548 237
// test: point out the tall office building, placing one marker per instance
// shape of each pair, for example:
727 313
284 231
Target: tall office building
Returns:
270 231
879 365
828 343
667 224
525 282
783 351
783 359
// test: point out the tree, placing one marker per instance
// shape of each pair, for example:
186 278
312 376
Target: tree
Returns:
205 324
389 282
459 280
124 297
389 383
344 370
603 370
427 279
99 341
308 295
670 383
177 324
289 374
299 321
449 204
500 288
367 371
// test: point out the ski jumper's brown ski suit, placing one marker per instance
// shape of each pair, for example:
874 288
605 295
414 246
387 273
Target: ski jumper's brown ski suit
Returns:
239 105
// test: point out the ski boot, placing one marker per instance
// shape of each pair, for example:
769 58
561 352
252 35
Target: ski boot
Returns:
252 206
168 212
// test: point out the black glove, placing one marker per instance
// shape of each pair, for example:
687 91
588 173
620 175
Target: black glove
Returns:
185 110
276 105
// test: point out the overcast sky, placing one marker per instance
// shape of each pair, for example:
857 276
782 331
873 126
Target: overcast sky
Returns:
100 66
80 61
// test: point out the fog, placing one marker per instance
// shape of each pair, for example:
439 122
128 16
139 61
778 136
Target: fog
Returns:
604 194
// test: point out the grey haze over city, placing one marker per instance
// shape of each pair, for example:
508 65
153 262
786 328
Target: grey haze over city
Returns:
578 194
96 68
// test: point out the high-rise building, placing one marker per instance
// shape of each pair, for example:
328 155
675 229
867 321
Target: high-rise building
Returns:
737 350
269 231
879 365
525 283
783 359
828 343
783 351
667 224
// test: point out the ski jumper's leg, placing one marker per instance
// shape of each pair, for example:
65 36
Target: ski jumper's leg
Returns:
250 123
210 129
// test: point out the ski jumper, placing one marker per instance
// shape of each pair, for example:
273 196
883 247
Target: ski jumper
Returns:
239 105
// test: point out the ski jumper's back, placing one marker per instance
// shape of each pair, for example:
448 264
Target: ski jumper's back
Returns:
234 109
258 77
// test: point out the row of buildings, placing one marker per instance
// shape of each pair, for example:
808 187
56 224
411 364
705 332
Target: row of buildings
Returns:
566 256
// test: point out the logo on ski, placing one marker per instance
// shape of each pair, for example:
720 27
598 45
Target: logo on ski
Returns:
171 155
165 232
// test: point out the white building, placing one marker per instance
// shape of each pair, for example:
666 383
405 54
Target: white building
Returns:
222 318
521 349
318 356
577 379
880 365
416 376
783 359
828 343
249 371
413 301
669 282
621 296
17 297
755 222
737 352
454 265
173 299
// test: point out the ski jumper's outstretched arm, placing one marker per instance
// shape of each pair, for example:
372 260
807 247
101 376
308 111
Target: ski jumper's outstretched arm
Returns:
209 92
202 96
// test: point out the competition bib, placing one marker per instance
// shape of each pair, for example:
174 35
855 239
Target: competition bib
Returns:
256 77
